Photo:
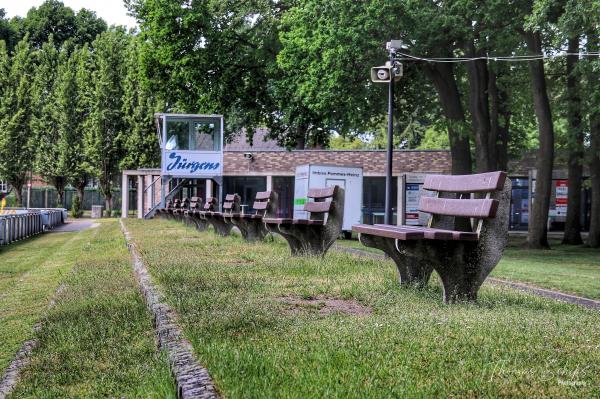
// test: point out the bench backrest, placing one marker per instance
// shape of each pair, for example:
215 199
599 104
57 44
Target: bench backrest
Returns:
210 204
231 204
265 203
323 201
185 203
176 203
169 204
195 203
463 204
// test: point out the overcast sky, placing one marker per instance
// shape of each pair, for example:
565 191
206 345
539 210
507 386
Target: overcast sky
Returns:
112 11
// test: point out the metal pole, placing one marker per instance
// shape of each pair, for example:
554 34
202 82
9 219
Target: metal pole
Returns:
390 153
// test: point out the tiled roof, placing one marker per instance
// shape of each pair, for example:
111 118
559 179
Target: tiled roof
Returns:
259 142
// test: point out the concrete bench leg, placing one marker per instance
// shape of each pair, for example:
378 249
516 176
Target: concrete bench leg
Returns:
200 224
412 270
308 240
251 229
222 228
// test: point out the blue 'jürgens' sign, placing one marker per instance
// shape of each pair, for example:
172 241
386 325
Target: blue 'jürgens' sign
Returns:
191 163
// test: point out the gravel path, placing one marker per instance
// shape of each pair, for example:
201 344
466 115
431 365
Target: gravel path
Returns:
74 225
560 296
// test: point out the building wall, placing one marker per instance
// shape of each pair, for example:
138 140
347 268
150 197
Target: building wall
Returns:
283 163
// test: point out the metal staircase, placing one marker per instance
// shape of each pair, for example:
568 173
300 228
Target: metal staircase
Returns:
167 197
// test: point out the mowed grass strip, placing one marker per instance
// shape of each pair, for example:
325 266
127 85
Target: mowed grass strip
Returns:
566 268
98 340
231 298
30 273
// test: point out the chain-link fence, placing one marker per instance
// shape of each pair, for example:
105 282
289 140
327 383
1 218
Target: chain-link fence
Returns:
46 197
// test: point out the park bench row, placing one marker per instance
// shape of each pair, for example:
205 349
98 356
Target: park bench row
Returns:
464 239
313 235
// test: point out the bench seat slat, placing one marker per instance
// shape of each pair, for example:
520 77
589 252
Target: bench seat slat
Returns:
278 220
439 234
472 208
379 231
320 193
262 195
318 207
477 183
260 205
309 221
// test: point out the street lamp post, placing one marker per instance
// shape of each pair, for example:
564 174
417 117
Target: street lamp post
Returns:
390 152
389 73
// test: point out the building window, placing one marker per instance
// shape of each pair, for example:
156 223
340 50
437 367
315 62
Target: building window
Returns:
194 135
284 187
374 199
245 186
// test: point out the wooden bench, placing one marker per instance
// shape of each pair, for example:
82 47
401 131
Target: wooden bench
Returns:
251 225
463 259
199 215
220 220
164 212
169 214
179 212
313 236
188 215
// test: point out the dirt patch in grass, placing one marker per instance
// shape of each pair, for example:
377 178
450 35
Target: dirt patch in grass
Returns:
324 305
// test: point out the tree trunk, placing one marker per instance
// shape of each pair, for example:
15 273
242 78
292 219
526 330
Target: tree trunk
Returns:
108 204
301 137
444 81
538 229
499 122
477 73
59 185
572 234
80 193
18 187
594 234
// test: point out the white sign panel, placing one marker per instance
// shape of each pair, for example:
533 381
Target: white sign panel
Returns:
193 164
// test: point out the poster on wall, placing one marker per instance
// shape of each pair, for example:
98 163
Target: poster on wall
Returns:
413 194
561 197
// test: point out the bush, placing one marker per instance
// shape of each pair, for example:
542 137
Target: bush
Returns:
76 211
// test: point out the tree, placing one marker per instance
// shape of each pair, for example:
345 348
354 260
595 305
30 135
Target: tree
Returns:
139 141
16 136
106 120
50 18
53 18
73 102
44 121
575 146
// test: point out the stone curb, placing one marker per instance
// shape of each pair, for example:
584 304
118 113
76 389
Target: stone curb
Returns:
560 296
192 379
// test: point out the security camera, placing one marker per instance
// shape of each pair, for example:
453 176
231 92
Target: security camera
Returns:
384 73
248 156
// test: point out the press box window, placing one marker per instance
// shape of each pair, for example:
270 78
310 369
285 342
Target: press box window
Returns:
193 135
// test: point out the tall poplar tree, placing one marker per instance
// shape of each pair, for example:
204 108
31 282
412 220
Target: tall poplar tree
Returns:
44 121
17 143
107 122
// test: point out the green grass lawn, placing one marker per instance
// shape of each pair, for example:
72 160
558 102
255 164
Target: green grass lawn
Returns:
567 268
234 298
30 273
97 341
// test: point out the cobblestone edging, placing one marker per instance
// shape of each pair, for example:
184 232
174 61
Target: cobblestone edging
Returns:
23 355
560 296
192 379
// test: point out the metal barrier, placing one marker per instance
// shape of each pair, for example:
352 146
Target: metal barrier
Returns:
23 225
